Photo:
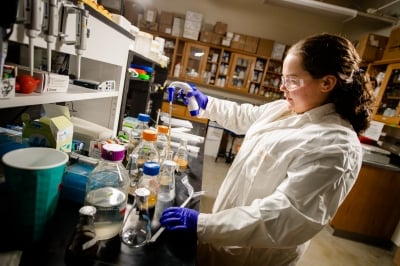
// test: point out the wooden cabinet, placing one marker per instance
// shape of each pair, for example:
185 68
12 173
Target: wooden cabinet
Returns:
212 74
371 210
272 80
194 62
257 77
384 74
240 72
387 109
174 49
224 68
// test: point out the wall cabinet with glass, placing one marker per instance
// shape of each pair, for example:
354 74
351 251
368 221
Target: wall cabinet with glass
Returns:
173 48
272 80
387 107
241 72
194 62
222 67
258 74
211 68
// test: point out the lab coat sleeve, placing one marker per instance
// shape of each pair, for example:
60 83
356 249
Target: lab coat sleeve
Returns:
239 117
297 210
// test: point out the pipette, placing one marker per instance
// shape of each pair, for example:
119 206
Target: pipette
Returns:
171 91
34 9
51 27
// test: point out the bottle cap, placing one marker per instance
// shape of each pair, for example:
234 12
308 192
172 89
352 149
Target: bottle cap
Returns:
113 152
149 135
163 129
87 210
143 117
151 168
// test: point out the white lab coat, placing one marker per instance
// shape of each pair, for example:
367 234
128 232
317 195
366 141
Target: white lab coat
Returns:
289 177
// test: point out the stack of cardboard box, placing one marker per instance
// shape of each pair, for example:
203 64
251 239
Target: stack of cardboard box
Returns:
371 47
193 24
216 35
148 20
392 50
245 43
165 21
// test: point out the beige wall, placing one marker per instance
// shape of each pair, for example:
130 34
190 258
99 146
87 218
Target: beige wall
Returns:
252 17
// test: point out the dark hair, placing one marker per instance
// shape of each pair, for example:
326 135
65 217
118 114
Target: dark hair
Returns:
329 54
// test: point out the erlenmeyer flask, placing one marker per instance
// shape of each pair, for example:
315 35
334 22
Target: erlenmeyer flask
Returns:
136 231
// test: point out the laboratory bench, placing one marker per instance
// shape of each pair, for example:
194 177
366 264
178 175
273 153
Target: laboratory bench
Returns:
169 249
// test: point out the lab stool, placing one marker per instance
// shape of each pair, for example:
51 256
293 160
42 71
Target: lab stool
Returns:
227 147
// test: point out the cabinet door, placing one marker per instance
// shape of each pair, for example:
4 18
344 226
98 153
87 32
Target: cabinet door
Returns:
241 72
213 60
371 209
194 62
173 48
223 69
387 108
272 81
258 74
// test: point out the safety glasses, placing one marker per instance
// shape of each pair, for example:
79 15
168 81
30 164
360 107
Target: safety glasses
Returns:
291 83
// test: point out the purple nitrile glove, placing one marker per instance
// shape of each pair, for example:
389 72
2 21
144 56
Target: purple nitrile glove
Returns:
201 98
180 219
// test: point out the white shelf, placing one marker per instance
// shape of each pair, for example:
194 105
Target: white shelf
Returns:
74 93
105 58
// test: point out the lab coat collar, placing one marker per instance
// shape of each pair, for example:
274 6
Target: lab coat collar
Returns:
313 115
321 111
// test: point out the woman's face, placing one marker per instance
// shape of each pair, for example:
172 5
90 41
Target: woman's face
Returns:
302 92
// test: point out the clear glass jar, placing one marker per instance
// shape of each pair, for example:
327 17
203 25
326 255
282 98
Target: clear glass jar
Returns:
136 132
166 191
181 156
144 152
137 227
149 180
106 190
83 245
162 141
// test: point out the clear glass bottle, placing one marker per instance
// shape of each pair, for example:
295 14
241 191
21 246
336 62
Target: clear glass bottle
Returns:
166 191
149 180
181 156
142 123
137 227
106 189
83 245
144 152
162 141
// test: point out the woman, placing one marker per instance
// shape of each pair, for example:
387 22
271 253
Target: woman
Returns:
298 161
